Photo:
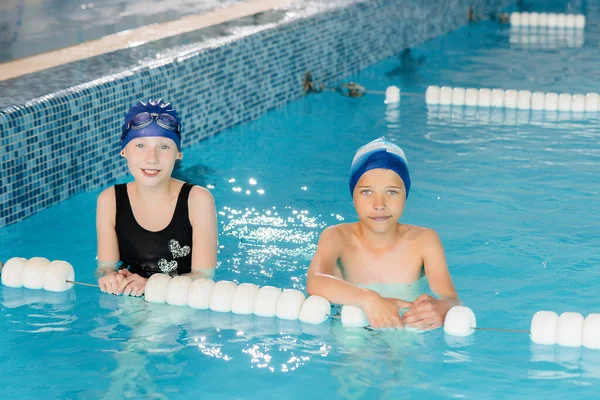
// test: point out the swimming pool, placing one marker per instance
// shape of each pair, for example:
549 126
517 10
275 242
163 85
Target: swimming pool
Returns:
512 195
29 27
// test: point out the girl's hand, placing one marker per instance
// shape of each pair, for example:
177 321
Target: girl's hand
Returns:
110 282
132 284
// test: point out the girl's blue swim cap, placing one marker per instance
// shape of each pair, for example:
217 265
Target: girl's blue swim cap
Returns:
154 118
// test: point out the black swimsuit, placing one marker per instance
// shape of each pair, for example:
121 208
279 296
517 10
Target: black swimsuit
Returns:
144 252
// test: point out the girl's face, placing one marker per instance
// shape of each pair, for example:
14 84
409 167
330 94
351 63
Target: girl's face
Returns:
151 159
379 199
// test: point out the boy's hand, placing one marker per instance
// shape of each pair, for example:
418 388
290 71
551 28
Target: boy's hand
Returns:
131 285
109 283
427 312
382 312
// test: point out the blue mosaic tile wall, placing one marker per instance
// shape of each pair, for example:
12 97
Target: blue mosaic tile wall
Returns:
67 142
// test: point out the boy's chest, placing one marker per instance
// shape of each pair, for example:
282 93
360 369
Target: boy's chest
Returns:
400 265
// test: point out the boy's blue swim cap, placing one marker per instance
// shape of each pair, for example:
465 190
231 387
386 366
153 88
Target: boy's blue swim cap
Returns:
154 118
379 154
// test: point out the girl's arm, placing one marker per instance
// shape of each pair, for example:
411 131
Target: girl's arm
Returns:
108 246
203 217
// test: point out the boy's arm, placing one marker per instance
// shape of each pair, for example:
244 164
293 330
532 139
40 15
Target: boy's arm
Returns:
203 217
436 268
320 280
428 312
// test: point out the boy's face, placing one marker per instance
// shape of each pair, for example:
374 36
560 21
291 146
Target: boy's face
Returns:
379 198
151 159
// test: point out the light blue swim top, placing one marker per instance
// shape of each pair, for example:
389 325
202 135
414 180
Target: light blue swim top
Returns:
380 153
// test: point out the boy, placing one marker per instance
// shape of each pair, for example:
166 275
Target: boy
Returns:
377 250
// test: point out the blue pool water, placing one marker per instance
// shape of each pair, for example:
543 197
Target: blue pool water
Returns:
513 195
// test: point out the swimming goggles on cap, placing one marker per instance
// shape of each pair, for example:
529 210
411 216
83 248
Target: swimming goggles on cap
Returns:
144 119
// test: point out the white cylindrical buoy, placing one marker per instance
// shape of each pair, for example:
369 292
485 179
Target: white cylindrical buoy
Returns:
497 98
289 304
315 310
510 98
178 290
578 103
580 21
460 321
592 102
564 102
524 100
354 317
12 272
551 102
243 299
569 329
392 95
445 95
561 20
543 327
524 19
591 332
265 301
458 96
199 293
515 18
221 296
156 288
56 276
471 97
534 19
485 98
570 21
34 271
552 20
543 20
537 100
432 95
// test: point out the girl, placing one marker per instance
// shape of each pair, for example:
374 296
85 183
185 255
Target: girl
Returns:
155 224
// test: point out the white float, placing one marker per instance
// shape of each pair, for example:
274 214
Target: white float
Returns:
177 291
56 276
392 95
511 98
242 301
432 95
34 271
515 18
156 288
221 296
591 332
12 272
460 321
498 98
471 97
551 102
265 301
199 293
524 100
445 95
537 100
564 102
534 19
543 327
354 317
592 102
458 96
543 20
569 329
578 103
485 97
561 20
552 20
315 310
289 304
